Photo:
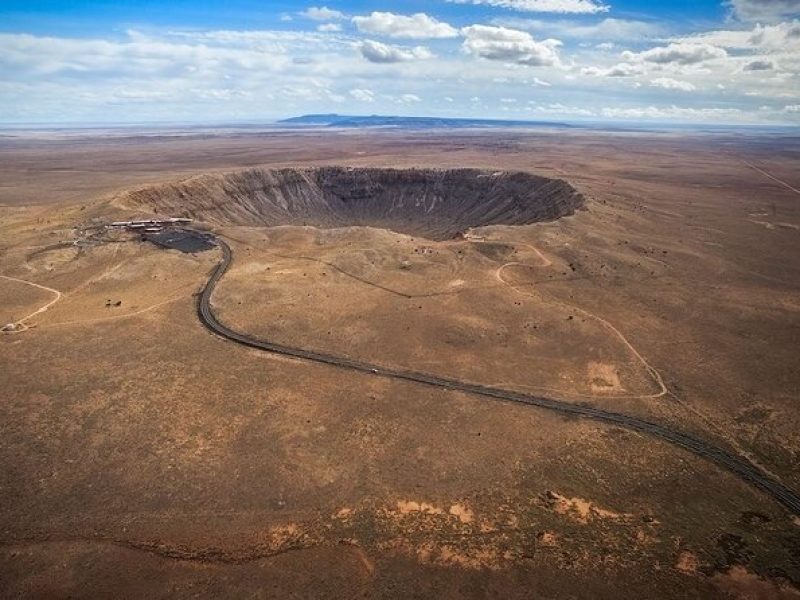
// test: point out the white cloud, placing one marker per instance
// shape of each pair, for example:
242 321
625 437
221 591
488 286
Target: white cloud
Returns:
605 29
763 60
510 45
678 53
779 37
363 95
724 38
337 98
782 36
329 28
765 10
544 6
378 52
792 108
558 109
417 26
672 84
223 74
142 55
618 70
676 113
322 13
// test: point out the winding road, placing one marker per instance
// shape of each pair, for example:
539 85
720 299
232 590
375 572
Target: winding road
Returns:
722 458
20 325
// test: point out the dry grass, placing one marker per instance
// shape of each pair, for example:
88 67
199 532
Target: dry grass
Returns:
136 445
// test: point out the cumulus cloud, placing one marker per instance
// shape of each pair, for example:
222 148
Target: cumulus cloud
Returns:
672 84
618 70
322 13
408 99
510 45
544 6
765 10
219 74
202 74
378 52
329 28
783 36
141 55
363 95
678 53
417 26
764 38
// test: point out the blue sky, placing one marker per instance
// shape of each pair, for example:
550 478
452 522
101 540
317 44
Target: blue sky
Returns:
82 17
78 61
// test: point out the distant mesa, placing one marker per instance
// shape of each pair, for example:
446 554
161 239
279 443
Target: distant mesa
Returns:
432 203
345 121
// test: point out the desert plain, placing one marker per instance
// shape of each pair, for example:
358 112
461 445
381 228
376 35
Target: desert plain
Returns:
143 455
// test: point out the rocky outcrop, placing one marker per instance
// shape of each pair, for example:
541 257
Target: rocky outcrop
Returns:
436 204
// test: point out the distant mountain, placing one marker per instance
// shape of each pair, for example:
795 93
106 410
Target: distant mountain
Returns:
313 120
334 120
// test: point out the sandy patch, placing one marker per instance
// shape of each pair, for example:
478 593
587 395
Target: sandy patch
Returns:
464 514
252 268
603 378
481 557
484 558
406 507
687 563
741 584
548 539
580 509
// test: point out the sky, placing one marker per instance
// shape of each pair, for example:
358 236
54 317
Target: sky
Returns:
203 61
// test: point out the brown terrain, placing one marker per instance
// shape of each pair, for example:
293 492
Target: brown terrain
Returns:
656 275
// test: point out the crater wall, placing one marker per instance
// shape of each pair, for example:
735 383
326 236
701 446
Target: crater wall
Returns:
436 204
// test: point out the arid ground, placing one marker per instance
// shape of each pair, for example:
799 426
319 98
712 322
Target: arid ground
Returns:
143 456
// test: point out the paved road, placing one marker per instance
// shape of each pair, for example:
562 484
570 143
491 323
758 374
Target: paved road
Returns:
736 465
